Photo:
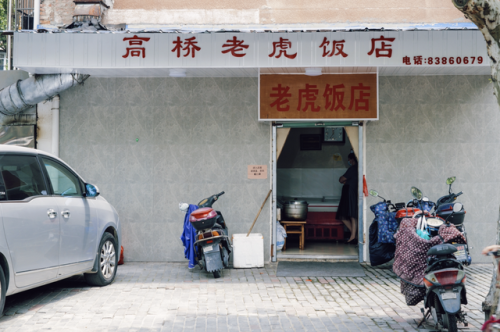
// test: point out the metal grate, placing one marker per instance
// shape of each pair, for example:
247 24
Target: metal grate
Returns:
25 10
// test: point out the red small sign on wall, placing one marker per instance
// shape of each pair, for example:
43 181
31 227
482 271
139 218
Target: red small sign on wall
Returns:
257 172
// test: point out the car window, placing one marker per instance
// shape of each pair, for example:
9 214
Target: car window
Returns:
22 176
63 181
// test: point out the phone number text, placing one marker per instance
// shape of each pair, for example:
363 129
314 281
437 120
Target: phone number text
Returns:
420 60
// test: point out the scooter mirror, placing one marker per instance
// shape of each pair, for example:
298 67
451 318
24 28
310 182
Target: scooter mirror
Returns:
374 193
417 193
457 207
450 180
183 207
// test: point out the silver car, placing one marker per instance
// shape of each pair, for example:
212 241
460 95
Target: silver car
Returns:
53 224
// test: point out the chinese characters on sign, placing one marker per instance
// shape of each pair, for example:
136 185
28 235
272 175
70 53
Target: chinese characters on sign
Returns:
235 46
320 97
381 48
280 94
188 47
283 45
257 172
135 51
336 49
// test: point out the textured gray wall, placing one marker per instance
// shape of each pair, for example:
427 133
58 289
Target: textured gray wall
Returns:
433 127
196 138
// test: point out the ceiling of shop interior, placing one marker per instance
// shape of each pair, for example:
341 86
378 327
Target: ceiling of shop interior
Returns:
254 72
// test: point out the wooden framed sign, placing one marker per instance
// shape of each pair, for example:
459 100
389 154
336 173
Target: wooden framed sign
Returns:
324 97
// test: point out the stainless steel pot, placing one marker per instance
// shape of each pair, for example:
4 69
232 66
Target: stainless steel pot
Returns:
295 210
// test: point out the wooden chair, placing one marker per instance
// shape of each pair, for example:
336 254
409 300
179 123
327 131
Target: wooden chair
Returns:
297 228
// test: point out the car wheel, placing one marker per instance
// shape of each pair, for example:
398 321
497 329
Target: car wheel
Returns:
107 262
3 290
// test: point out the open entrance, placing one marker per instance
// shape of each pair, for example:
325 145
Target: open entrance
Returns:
309 163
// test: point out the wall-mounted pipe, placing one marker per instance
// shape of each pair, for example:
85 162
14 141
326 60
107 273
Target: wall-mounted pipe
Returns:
27 93
9 37
55 126
36 15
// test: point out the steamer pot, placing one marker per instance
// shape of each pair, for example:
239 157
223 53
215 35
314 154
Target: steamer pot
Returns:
295 210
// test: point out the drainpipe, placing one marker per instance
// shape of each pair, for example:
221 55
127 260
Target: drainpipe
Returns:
36 15
9 38
55 126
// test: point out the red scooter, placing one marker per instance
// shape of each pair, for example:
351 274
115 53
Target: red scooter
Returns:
212 245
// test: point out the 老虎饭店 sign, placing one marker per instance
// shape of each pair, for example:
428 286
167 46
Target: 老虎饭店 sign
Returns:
295 97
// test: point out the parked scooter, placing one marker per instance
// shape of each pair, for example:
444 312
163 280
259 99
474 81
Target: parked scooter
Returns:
444 210
212 245
444 280
382 230
445 287
443 214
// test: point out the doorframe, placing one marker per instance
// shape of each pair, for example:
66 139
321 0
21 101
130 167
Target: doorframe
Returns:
361 169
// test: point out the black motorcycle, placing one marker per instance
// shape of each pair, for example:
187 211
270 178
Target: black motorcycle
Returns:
445 287
212 245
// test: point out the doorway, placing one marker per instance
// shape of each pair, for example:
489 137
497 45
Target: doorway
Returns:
309 163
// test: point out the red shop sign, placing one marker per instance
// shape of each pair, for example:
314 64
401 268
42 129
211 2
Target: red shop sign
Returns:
297 97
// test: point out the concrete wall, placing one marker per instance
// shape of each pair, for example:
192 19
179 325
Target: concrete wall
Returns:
149 144
433 127
281 11
197 136
58 12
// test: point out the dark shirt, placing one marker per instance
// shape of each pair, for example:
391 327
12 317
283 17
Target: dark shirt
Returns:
352 177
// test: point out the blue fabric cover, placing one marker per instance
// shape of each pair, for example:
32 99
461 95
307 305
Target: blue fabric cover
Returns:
188 238
427 206
382 229
380 253
387 224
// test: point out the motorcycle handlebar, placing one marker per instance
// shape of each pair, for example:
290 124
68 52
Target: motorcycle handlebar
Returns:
460 193
220 194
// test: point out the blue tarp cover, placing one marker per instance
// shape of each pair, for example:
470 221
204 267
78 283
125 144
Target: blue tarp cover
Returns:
188 238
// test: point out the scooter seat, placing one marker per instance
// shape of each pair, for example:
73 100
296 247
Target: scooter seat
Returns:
442 249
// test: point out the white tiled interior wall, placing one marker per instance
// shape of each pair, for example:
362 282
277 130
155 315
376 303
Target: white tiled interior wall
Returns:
310 182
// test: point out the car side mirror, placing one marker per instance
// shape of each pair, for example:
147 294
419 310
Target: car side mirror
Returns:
91 190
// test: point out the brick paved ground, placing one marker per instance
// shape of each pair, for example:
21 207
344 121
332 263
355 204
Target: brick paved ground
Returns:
169 297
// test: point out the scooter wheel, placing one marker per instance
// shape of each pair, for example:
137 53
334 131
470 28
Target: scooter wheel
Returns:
452 323
216 274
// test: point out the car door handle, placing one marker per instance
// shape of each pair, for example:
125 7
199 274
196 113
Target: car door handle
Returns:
51 213
65 214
